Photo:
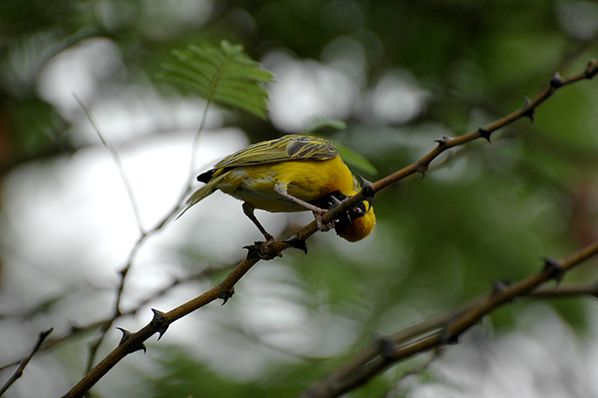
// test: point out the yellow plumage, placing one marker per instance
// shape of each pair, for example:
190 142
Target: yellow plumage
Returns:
292 173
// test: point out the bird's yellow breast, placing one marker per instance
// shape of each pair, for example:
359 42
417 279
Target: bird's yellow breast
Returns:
308 180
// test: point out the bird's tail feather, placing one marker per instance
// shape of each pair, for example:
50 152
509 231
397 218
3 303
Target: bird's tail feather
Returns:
198 195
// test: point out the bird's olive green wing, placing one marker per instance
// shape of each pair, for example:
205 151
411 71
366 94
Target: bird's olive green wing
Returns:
290 147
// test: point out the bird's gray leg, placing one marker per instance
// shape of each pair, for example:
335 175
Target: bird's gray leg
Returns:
248 210
281 189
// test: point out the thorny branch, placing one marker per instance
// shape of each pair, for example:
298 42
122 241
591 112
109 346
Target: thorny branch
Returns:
446 330
134 341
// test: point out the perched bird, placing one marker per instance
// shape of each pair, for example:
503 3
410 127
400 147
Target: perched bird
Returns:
288 174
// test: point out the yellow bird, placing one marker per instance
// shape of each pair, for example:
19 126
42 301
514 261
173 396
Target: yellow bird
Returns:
289 174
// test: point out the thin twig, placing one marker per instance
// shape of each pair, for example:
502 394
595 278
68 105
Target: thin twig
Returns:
194 142
43 306
118 161
162 320
19 372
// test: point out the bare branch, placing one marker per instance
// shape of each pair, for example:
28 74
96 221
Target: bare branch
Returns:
19 372
117 160
196 136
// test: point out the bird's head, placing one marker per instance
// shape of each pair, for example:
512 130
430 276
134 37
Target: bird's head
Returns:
356 223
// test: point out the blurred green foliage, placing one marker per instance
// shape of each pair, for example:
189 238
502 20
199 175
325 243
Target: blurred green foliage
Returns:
489 214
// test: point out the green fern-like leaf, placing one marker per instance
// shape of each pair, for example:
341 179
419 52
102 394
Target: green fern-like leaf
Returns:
223 75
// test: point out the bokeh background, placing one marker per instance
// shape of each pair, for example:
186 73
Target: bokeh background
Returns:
400 74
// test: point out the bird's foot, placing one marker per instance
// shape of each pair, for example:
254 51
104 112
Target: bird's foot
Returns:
321 225
262 250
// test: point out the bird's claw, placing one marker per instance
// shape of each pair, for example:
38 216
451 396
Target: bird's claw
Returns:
262 250
321 225
334 201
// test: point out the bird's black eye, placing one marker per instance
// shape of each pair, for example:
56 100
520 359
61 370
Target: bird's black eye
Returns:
358 211
347 217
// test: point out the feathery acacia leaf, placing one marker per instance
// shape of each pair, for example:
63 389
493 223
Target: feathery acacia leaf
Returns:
224 75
